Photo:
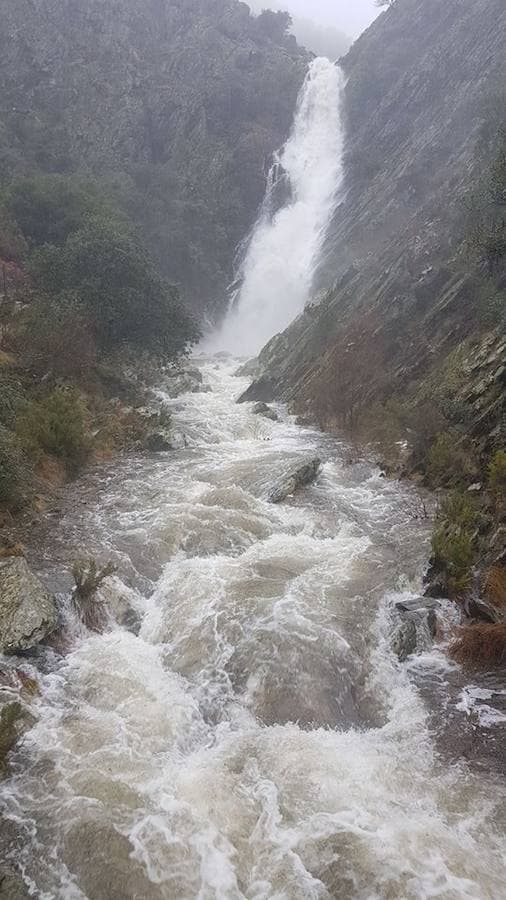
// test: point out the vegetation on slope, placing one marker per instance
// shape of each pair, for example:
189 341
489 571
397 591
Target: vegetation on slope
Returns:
174 105
78 293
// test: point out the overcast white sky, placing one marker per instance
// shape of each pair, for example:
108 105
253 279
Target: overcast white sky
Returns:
351 16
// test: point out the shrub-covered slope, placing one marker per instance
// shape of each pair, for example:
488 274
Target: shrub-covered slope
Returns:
176 105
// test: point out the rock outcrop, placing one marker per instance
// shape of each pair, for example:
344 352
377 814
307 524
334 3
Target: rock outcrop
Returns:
27 611
297 478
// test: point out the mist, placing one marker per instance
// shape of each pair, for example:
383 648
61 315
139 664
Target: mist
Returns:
349 16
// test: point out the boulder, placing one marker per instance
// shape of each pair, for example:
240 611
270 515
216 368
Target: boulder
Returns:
178 440
185 381
262 409
417 628
404 640
297 478
27 610
157 442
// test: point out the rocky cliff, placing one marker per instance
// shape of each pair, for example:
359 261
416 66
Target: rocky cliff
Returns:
398 297
175 105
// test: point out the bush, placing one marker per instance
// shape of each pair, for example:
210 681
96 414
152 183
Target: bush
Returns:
449 462
56 425
48 208
56 338
497 474
480 645
495 585
454 541
14 471
125 299
12 399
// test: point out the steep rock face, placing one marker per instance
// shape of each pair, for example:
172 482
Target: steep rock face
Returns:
424 95
179 102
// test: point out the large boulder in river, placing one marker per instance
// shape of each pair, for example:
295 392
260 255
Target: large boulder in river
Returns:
294 480
27 610
186 380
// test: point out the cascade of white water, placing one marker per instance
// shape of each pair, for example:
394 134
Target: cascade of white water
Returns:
278 268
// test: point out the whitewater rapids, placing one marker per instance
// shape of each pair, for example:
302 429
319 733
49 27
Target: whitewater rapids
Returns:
253 737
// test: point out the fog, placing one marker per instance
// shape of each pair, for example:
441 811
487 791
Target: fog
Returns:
350 16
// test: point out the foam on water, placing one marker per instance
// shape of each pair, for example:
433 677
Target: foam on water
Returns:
256 739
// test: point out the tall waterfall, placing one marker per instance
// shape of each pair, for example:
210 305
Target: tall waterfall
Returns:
279 264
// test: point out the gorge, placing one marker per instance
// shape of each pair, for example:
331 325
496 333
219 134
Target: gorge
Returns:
227 674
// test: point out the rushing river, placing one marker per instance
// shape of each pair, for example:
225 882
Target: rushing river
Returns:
251 734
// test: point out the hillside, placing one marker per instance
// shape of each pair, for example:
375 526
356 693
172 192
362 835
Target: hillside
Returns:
402 271
175 107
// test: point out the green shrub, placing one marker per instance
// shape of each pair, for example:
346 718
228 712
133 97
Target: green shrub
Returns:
55 338
56 425
12 399
449 462
454 541
124 298
497 474
48 208
14 471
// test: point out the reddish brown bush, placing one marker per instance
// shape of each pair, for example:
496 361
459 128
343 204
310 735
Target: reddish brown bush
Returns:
480 645
495 585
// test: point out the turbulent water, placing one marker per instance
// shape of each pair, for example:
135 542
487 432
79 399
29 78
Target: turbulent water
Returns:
282 254
249 734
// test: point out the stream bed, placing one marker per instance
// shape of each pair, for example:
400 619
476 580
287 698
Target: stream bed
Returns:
249 732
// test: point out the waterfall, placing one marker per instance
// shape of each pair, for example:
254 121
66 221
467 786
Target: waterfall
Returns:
277 271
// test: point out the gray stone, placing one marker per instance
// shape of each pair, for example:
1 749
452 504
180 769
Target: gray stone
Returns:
157 442
294 480
404 640
262 409
27 610
417 604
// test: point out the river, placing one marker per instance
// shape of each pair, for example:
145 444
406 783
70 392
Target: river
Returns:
250 734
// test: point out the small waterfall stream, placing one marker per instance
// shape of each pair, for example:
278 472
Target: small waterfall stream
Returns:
248 732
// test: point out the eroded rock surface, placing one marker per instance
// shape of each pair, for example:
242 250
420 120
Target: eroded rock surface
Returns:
297 478
27 610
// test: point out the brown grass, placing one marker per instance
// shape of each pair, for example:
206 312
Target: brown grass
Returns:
480 645
495 585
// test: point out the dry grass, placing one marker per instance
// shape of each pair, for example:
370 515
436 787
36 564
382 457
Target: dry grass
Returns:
495 585
481 645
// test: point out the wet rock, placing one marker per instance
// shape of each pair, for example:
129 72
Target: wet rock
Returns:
12 886
185 381
299 477
480 608
157 442
27 610
178 440
404 640
417 627
262 409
